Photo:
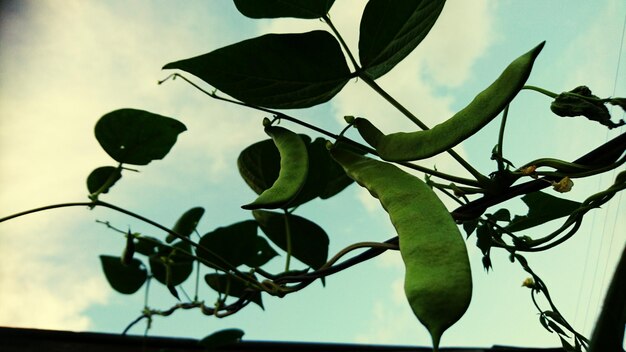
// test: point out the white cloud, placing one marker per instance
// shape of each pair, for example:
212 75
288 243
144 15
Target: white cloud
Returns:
61 68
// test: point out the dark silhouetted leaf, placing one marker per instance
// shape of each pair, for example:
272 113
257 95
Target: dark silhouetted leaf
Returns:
285 71
148 246
469 227
221 338
264 253
235 244
124 279
137 137
542 208
580 102
105 175
230 286
186 224
390 30
171 266
309 242
308 9
501 215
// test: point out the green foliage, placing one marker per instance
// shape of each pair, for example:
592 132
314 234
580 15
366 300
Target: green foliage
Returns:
125 279
301 70
542 207
277 8
290 70
391 30
304 239
137 137
103 178
221 338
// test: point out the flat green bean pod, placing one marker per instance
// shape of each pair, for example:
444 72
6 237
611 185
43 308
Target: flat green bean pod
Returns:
438 281
403 146
294 167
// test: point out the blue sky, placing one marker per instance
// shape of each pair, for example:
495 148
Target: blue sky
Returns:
61 68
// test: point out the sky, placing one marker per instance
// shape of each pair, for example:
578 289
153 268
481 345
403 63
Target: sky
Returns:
63 67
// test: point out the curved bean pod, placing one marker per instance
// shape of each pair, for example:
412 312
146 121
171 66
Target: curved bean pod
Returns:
294 167
403 146
438 281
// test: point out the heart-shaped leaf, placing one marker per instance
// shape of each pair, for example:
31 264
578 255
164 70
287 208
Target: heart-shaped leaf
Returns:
221 338
285 71
279 8
126 279
230 286
309 242
186 224
542 207
171 266
232 245
137 137
103 178
390 30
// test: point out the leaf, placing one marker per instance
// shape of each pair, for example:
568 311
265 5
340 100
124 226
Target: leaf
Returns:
542 207
126 279
307 9
309 242
186 224
221 338
580 102
230 286
264 253
285 71
148 246
170 266
390 30
137 137
103 177
233 245
469 227
567 346
501 215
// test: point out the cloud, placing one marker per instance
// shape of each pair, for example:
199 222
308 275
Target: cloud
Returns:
61 68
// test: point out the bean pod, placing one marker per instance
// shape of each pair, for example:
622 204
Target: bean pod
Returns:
438 282
485 107
294 167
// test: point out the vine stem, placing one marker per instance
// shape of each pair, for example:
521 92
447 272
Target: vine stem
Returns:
288 240
370 82
231 270
541 90
297 121
378 89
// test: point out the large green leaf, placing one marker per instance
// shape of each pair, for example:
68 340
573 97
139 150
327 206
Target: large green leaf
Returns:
103 178
137 137
233 245
285 71
186 224
280 8
390 30
309 242
221 338
171 266
125 279
259 165
264 253
542 208
230 286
